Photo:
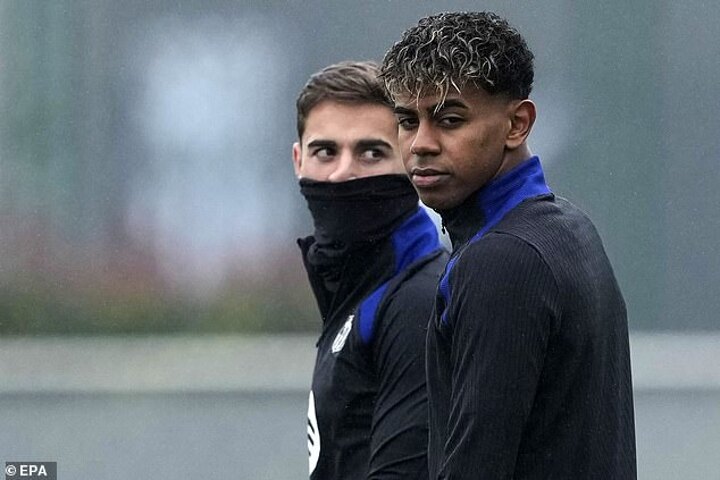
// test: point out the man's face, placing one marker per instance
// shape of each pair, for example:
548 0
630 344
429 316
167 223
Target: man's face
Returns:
451 149
344 141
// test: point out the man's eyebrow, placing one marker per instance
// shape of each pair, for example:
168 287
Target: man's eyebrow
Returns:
433 109
402 111
367 143
321 143
449 103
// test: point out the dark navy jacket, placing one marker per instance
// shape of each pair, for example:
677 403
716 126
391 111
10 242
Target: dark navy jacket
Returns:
528 359
367 413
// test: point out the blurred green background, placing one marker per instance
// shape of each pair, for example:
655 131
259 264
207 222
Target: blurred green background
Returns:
145 175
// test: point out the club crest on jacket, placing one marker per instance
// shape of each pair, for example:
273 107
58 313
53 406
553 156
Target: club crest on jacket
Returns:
342 335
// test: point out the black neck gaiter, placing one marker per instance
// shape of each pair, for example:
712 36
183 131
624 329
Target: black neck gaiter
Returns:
352 214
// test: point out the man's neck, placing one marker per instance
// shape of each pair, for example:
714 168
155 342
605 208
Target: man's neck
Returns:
485 207
513 158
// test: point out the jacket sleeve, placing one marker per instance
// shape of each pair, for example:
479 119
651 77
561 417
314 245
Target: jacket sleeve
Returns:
398 447
504 299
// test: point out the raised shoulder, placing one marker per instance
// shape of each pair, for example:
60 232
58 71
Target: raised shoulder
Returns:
413 297
402 300
501 261
551 226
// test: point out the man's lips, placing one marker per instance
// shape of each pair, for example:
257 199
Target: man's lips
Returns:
427 177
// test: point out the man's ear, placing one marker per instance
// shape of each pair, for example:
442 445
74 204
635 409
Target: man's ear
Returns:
522 119
297 158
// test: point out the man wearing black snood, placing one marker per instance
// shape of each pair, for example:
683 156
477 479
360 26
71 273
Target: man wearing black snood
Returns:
373 263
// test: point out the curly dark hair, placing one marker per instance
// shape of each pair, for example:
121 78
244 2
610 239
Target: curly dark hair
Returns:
448 50
348 82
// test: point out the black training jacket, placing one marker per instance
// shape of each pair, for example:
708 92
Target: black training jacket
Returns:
367 412
528 359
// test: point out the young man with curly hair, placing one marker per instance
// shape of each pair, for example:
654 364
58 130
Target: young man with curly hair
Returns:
527 351
373 263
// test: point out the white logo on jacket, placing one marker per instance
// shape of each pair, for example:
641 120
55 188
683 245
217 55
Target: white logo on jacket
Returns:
313 434
342 335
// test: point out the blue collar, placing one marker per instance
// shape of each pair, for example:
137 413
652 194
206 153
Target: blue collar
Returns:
483 210
416 238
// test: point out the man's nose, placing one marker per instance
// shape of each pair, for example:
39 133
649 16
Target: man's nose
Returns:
346 168
425 141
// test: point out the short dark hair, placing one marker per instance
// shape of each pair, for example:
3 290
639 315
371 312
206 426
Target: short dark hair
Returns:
448 50
349 82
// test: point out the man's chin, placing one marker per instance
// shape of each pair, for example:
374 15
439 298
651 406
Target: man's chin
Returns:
436 202
444 199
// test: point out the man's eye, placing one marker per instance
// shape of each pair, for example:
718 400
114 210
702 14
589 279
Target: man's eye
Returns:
324 153
451 121
407 123
372 154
